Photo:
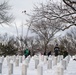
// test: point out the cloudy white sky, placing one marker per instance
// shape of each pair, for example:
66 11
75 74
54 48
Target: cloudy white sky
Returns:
17 7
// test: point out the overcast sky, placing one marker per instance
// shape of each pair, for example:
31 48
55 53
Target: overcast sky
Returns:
17 7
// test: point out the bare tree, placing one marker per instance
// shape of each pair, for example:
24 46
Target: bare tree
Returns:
71 35
58 12
68 42
71 4
5 17
44 28
47 19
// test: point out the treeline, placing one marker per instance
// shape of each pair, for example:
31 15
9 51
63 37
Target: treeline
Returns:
45 21
16 45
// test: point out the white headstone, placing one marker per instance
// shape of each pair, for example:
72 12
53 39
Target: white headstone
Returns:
23 58
45 59
0 67
42 57
8 60
59 70
10 68
24 69
36 62
14 58
49 64
39 70
58 58
20 59
55 61
17 62
64 63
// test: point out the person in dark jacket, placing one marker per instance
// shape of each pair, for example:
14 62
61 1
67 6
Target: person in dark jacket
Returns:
56 50
26 52
65 53
49 53
45 53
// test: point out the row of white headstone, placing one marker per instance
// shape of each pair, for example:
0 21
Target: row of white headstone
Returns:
60 63
52 61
